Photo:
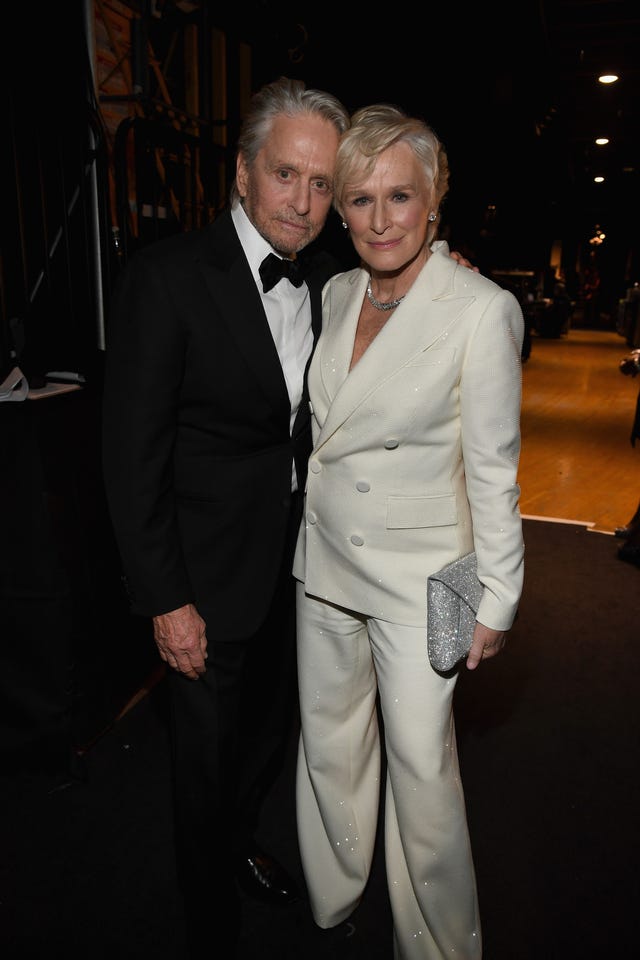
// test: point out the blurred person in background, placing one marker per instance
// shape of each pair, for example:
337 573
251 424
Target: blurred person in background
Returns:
630 533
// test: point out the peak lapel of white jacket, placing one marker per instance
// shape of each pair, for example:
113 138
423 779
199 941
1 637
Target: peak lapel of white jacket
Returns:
433 303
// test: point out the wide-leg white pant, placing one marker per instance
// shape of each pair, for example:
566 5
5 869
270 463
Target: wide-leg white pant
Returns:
343 659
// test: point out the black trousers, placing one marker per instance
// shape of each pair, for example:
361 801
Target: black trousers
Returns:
229 732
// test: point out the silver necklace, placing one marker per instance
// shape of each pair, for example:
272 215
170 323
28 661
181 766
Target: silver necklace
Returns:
378 304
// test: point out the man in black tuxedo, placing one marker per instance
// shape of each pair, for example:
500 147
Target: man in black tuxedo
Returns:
206 438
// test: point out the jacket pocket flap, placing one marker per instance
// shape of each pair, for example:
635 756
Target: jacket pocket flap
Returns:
409 512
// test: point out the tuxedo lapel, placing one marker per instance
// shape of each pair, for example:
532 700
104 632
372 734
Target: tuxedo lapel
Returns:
238 304
315 284
320 272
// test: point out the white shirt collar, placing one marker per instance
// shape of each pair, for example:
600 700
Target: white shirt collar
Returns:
288 313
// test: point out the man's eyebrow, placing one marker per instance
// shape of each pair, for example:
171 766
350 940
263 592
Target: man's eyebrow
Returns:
287 165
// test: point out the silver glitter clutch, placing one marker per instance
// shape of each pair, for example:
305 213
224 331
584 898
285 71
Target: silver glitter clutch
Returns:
453 597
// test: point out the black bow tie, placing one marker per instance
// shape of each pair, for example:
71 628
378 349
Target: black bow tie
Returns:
273 269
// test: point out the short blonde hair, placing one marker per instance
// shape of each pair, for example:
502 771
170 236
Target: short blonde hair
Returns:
376 128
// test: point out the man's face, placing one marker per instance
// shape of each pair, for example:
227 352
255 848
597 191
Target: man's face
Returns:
288 191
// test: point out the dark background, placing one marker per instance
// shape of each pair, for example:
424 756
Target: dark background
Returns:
510 88
548 738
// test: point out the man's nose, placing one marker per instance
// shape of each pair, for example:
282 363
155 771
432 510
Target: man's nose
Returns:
301 198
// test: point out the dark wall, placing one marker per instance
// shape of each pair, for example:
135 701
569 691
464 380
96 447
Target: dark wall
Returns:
54 183
70 654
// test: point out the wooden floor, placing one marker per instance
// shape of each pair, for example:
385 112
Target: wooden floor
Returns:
577 462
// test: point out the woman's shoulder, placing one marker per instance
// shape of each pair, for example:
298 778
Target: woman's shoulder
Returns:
339 290
466 279
346 278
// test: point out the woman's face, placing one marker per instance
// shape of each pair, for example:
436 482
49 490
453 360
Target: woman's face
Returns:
388 211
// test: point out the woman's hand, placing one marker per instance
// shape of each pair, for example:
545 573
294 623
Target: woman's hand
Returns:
486 643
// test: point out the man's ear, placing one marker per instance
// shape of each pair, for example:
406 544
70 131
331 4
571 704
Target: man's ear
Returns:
242 174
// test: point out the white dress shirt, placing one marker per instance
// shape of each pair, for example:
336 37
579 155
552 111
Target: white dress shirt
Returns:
288 311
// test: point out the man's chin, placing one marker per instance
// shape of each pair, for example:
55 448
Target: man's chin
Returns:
290 242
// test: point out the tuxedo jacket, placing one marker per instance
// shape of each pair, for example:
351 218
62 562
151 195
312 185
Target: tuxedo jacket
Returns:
197 447
416 449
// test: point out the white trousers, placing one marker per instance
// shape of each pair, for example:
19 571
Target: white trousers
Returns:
343 660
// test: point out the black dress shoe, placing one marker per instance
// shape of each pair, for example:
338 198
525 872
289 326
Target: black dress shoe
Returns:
263 878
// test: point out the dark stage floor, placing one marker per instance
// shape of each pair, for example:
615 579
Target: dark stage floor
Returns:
548 738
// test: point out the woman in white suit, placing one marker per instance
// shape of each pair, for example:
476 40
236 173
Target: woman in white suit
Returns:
415 389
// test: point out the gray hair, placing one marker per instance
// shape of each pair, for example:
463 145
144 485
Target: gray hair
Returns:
375 128
284 97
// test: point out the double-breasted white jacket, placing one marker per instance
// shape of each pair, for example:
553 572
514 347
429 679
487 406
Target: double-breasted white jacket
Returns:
415 450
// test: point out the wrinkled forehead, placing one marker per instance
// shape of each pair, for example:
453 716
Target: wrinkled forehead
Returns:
306 142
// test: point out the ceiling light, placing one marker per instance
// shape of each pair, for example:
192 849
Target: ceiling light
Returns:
601 141
598 179
608 78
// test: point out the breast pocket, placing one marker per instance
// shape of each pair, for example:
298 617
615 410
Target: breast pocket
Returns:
433 357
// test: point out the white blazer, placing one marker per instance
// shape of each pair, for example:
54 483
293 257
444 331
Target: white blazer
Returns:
416 448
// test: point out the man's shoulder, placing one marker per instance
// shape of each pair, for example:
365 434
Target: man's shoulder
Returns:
324 265
189 245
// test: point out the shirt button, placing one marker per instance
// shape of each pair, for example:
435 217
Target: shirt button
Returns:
363 486
315 467
356 540
391 443
311 517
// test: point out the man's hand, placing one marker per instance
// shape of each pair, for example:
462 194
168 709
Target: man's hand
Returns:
463 261
181 638
486 643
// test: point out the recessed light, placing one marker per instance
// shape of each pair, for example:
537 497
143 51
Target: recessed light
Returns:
608 78
598 179
601 141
